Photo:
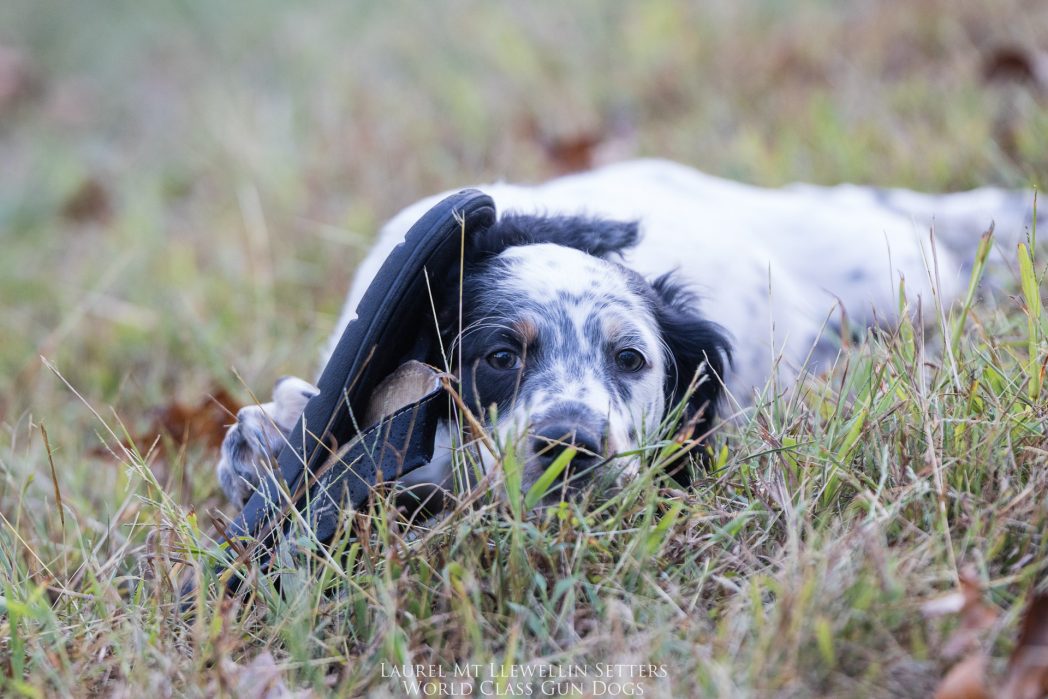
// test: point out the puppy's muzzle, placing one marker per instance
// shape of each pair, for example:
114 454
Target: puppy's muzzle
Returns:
575 428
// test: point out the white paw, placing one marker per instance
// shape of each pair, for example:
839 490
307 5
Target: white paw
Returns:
253 443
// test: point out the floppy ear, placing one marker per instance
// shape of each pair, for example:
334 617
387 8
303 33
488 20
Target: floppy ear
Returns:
593 236
690 342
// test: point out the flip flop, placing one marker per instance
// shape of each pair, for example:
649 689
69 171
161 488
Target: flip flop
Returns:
394 324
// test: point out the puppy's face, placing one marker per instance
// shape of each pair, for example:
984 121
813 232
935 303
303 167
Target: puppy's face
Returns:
560 347
563 349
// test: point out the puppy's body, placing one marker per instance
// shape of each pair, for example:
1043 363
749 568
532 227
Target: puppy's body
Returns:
767 264
566 297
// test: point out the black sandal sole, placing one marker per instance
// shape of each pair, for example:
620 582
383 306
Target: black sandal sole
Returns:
393 319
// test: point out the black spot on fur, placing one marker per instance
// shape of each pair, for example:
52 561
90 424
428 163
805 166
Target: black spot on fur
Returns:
593 236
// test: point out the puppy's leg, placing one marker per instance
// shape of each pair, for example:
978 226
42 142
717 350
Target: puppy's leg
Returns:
254 442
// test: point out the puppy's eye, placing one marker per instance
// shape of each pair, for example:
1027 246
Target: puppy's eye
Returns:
504 360
629 360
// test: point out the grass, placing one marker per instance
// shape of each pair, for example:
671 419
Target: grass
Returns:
186 190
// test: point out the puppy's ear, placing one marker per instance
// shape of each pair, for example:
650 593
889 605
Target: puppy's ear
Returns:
593 236
691 343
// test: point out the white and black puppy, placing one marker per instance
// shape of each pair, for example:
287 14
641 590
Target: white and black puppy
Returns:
561 344
600 300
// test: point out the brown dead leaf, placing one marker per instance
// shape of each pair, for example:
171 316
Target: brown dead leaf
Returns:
89 203
261 679
587 146
16 80
202 423
965 680
574 154
1017 64
178 423
1027 674
976 615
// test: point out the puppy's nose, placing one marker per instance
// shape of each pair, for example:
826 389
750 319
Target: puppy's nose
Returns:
550 441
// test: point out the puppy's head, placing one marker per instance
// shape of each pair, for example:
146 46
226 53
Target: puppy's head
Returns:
562 346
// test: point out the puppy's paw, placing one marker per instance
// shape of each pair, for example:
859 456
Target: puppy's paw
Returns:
253 443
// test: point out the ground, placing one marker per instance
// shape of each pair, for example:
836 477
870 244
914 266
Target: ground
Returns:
186 188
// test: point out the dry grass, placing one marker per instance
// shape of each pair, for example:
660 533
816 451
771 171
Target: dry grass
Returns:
186 190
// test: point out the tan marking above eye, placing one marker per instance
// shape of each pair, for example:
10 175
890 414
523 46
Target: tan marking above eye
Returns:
617 325
527 329
612 325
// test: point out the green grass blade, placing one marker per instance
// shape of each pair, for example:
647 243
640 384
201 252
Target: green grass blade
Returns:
982 253
1032 297
545 481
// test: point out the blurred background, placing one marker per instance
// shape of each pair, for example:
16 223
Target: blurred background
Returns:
186 188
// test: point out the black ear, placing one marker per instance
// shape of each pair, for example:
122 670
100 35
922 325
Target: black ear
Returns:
593 236
690 342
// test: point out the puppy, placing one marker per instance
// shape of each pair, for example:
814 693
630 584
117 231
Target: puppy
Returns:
601 301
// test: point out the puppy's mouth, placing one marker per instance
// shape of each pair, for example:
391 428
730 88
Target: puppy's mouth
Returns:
566 452
584 474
